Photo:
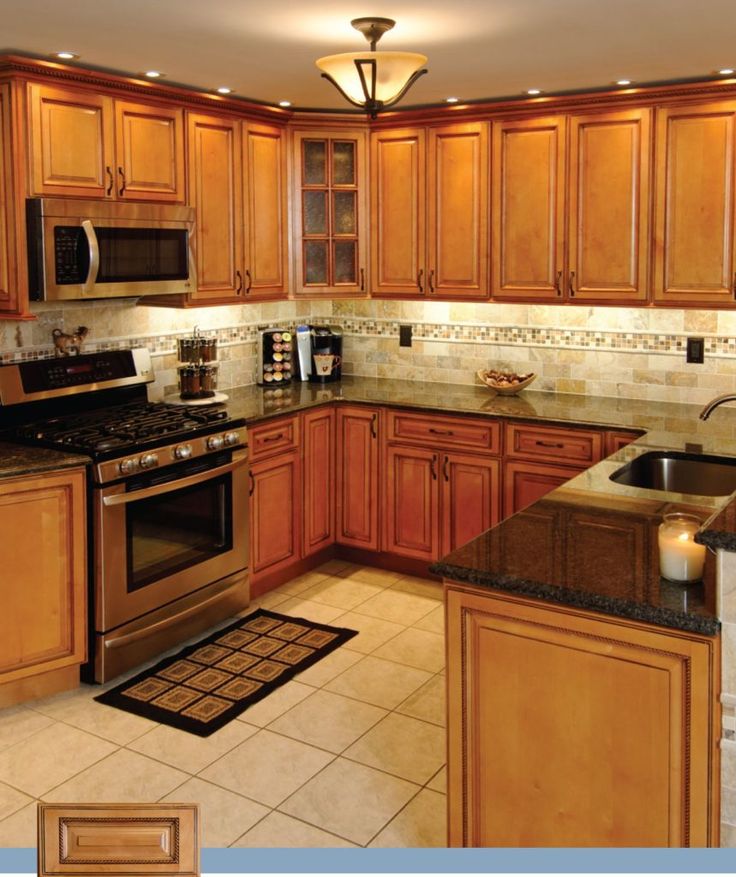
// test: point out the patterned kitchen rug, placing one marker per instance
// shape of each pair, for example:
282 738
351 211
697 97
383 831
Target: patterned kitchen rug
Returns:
206 685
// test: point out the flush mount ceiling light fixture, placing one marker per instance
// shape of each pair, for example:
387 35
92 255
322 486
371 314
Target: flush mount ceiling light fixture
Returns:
372 80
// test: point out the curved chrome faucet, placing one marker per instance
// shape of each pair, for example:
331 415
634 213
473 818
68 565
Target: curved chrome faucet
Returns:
714 403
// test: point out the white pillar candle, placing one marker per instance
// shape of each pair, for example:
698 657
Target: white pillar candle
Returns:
681 559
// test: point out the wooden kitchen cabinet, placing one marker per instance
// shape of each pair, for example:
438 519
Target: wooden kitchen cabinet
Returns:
84 144
411 508
543 746
357 509
9 299
330 212
616 439
275 516
43 631
695 222
525 482
429 211
571 206
471 498
318 463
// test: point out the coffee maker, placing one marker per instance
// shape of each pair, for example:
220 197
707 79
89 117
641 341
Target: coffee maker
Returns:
319 350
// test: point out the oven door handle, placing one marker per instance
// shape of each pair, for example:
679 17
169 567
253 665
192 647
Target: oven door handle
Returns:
187 481
94 256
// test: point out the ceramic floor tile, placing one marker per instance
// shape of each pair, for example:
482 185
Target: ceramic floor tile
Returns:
122 777
351 800
434 622
267 767
269 600
278 702
430 588
422 823
402 746
51 756
372 632
398 606
382 683
327 668
78 708
335 567
189 752
383 578
19 722
343 593
415 648
438 783
428 703
11 800
302 583
300 608
280 830
225 815
20 829
327 720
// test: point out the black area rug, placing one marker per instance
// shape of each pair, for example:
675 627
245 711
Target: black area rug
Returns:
204 686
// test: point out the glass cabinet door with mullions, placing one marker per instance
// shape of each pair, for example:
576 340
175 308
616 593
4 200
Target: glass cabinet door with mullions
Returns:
330 202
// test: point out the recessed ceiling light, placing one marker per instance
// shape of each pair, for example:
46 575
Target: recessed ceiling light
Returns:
154 74
66 56
534 91
726 71
623 82
223 89
284 103
452 100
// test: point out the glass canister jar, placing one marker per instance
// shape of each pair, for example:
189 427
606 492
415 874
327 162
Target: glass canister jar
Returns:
681 559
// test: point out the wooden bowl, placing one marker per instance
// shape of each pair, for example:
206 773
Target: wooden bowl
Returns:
504 389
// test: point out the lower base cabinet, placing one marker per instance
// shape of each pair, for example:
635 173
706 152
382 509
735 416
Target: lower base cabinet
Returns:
357 509
574 729
43 586
275 513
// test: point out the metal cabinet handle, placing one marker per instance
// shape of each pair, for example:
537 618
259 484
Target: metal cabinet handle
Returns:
252 484
420 275
121 190
273 438
94 256
734 285
440 431
445 471
571 285
108 171
250 281
362 279
558 283
239 284
374 420
548 444
432 467
431 280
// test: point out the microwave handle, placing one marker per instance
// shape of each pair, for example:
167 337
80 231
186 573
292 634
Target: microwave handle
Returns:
94 256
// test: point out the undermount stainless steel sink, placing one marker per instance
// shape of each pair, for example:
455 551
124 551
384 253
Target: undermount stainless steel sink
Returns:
679 472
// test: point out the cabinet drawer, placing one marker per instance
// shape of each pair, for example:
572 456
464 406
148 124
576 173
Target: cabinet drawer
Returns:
579 446
448 432
273 437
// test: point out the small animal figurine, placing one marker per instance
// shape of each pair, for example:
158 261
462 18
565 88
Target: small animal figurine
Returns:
66 344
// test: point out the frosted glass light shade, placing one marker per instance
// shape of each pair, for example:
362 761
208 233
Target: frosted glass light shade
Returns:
393 71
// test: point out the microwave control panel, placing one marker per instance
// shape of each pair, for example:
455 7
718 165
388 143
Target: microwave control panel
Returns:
71 266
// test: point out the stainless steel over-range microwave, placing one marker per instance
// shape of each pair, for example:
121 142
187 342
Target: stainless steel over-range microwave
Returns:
105 249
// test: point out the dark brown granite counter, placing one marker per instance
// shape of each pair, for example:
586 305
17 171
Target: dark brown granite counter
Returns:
20 460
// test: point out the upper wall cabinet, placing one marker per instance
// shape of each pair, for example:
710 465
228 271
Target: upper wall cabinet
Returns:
329 210
429 211
570 214
694 211
8 262
84 144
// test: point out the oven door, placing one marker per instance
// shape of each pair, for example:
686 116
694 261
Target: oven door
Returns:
166 534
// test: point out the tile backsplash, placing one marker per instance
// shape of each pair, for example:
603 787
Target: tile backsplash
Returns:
628 352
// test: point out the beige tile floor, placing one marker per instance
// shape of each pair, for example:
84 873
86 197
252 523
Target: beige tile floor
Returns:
349 753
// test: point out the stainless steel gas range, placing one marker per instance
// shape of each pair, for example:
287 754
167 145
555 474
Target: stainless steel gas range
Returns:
168 510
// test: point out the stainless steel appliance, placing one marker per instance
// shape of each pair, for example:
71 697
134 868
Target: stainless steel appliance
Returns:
104 249
276 357
168 487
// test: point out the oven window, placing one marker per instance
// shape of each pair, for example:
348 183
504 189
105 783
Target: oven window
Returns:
178 530
140 254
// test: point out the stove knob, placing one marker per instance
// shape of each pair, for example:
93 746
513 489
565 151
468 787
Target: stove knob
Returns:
148 461
183 452
215 442
127 467
231 438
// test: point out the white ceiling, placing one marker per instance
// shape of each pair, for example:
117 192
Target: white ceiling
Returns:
266 49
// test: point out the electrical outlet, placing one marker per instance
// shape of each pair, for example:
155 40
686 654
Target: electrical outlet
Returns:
404 336
695 349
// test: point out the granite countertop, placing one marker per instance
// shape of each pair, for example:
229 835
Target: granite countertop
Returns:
22 460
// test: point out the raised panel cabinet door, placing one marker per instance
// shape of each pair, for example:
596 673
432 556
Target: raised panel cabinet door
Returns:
615 440
264 176
457 211
71 142
318 507
528 212
525 483
694 207
43 626
411 509
8 285
398 211
608 206
275 514
149 150
471 498
216 192
566 729
357 477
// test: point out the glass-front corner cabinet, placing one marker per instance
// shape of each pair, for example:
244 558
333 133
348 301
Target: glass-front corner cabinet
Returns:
330 202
